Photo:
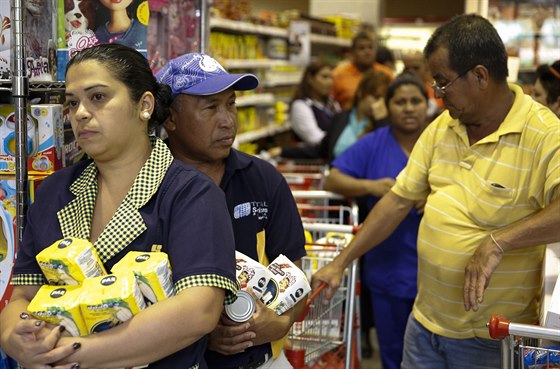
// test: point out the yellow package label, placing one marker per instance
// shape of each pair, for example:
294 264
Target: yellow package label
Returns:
152 271
70 261
111 300
59 305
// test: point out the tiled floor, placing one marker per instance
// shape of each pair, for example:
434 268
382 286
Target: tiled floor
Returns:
373 362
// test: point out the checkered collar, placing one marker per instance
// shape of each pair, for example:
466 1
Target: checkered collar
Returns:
127 223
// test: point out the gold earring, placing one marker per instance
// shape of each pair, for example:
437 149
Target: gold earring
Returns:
146 115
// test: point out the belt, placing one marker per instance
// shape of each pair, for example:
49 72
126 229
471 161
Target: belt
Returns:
257 362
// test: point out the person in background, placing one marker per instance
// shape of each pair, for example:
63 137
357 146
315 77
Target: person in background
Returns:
488 170
130 196
368 168
312 107
201 130
386 57
546 89
348 74
368 112
415 63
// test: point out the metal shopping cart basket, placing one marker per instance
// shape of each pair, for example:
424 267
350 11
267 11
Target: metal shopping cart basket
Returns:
303 176
523 344
326 333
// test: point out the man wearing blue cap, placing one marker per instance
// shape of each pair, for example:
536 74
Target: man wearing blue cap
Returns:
201 130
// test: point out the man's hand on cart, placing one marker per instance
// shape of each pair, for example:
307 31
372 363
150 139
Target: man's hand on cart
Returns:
36 341
331 274
478 271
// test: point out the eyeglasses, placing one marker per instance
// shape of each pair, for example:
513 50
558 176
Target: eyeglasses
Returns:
442 89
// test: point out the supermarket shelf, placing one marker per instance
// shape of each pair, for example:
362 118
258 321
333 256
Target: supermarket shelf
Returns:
287 81
255 99
330 40
243 27
255 63
261 133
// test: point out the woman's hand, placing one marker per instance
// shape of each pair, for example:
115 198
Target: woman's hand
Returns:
33 344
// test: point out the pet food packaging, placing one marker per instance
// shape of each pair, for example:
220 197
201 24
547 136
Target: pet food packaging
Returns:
59 305
243 308
287 286
251 275
152 271
110 300
70 261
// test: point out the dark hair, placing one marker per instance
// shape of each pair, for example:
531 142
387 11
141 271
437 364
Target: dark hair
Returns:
384 54
362 35
304 89
470 40
549 80
406 78
132 69
370 81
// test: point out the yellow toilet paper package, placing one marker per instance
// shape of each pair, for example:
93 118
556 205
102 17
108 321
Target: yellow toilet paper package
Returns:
59 305
152 271
110 300
70 261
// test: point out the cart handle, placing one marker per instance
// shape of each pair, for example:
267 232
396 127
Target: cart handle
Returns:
498 326
310 299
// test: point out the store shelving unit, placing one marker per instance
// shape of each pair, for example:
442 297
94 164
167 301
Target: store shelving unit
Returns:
271 81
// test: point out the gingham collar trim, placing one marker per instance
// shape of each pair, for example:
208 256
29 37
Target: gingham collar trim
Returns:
151 173
127 222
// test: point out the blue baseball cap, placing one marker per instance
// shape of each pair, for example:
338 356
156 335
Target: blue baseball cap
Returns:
200 74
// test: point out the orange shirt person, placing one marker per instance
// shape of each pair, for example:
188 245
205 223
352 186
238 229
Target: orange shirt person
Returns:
347 74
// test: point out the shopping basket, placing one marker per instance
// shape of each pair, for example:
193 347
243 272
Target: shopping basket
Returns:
326 333
523 345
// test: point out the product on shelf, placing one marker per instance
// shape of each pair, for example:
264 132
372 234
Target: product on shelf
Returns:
89 22
175 29
44 138
38 39
8 229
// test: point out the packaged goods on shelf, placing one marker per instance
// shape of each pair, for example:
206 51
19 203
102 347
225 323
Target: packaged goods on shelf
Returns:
174 29
345 27
44 138
88 22
39 39
8 229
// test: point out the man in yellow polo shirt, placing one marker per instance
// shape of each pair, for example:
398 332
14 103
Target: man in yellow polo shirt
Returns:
489 170
348 74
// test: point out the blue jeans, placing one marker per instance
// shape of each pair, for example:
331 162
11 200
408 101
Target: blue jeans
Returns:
426 350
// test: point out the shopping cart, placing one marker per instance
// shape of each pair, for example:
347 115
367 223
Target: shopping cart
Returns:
303 176
523 345
327 331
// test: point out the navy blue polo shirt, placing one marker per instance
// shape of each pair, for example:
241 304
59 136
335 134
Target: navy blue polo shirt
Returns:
258 198
171 207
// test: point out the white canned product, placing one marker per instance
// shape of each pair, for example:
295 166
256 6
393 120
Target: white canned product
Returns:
242 308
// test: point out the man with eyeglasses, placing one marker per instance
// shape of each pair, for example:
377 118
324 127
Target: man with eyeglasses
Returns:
489 170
